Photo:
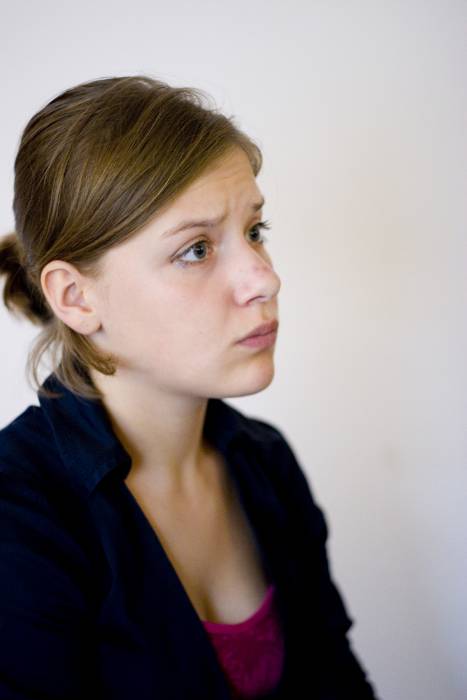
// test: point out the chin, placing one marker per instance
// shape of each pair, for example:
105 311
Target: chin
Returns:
254 380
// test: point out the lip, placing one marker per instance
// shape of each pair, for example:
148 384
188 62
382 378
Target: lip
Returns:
263 329
259 342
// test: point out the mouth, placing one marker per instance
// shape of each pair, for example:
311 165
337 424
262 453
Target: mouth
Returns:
265 329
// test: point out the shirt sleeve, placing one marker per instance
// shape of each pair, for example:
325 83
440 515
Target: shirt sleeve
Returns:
339 665
46 648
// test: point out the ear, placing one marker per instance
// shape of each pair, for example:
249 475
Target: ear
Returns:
65 290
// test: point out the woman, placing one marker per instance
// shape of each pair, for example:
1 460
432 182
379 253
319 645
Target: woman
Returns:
155 542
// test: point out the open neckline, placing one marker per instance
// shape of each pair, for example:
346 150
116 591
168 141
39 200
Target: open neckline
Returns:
207 624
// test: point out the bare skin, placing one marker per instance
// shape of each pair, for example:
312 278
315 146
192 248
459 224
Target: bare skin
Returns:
174 329
208 540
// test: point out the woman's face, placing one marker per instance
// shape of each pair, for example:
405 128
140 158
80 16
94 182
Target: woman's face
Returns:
176 325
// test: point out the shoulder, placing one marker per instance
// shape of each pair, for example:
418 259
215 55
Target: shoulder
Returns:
28 462
47 578
25 443
280 463
39 512
268 443
29 454
244 425
271 440
262 432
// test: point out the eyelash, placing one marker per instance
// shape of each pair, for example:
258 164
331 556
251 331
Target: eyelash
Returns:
184 263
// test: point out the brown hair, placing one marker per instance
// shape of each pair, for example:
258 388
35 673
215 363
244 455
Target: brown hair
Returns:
93 166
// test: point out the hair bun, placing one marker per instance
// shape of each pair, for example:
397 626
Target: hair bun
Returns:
18 294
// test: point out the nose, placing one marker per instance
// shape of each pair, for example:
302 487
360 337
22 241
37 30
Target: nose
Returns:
255 276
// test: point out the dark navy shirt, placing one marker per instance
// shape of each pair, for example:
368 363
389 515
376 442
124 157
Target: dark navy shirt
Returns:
90 605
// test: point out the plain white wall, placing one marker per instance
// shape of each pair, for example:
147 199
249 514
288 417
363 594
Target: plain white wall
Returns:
360 109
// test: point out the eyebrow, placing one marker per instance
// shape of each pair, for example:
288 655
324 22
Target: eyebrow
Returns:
205 222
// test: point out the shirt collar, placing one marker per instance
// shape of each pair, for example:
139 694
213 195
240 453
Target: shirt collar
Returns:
89 447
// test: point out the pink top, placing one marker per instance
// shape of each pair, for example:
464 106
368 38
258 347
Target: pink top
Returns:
251 652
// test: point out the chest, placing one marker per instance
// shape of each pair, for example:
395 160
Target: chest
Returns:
211 546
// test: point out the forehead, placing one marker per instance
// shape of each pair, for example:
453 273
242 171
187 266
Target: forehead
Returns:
226 187
227 182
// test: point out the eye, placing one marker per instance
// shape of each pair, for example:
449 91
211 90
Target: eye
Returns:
198 246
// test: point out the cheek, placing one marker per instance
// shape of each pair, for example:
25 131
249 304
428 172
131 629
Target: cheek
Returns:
127 310
145 314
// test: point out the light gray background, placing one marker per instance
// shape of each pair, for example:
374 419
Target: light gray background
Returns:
360 109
